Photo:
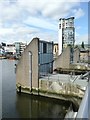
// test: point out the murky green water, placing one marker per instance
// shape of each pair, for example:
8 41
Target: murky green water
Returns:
23 105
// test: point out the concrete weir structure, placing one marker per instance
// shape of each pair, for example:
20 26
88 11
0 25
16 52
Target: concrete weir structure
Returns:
36 61
34 74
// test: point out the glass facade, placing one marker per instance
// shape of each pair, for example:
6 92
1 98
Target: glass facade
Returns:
45 58
17 46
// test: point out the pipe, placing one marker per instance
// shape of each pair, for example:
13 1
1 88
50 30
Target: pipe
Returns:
30 69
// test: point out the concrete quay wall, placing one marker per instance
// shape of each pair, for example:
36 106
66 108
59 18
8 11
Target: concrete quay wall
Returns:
56 89
60 88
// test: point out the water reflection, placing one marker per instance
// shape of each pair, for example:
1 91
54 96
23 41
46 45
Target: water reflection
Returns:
26 106
0 90
40 107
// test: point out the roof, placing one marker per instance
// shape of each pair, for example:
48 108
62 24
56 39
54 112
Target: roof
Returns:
50 42
83 50
66 18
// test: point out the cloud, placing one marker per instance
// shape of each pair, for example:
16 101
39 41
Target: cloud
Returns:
81 38
78 27
49 9
41 23
23 8
78 13
6 31
24 19
17 33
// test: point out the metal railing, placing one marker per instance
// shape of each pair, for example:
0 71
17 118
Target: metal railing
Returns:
84 109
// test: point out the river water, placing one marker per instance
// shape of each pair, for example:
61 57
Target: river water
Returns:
16 105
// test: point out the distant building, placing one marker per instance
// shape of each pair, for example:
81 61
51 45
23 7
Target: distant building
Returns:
35 61
20 47
10 49
55 50
66 58
84 55
2 52
66 33
17 46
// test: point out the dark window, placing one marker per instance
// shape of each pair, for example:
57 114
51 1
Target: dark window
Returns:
59 26
44 48
55 50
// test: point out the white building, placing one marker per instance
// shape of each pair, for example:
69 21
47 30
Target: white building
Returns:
20 47
66 33
2 52
10 48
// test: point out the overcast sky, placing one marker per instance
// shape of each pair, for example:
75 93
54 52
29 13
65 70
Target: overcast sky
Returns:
21 20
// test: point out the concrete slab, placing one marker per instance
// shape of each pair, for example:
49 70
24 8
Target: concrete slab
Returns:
65 78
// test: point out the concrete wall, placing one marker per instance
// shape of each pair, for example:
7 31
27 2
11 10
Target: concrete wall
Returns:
76 57
59 90
22 71
63 60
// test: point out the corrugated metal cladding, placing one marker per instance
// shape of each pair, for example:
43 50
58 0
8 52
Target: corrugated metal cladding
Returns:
45 58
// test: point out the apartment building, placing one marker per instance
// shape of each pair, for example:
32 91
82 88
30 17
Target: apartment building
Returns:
10 49
20 47
66 33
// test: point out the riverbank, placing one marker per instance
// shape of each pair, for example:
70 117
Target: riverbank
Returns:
58 86
10 58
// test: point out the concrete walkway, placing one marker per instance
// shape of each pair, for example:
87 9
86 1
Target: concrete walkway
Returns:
65 78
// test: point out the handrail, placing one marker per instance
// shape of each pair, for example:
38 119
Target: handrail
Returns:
84 109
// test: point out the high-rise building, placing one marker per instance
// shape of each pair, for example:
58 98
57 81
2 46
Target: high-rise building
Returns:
66 33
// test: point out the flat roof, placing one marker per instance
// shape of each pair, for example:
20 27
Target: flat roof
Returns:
50 42
66 18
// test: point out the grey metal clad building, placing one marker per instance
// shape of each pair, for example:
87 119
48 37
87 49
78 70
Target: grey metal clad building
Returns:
45 57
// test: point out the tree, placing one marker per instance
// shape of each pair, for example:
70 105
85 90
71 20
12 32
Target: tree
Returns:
3 44
82 45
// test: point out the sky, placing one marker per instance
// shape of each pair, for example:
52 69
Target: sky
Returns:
22 20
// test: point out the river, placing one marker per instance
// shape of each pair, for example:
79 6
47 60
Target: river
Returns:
15 105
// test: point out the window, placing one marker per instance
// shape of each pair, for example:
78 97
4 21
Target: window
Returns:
63 25
55 50
44 48
59 26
